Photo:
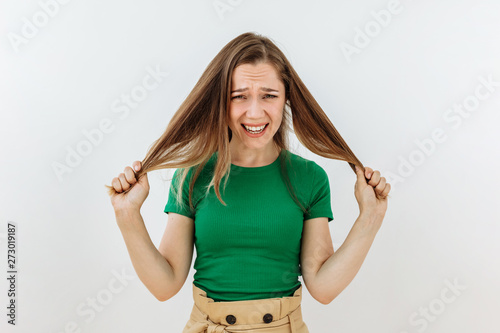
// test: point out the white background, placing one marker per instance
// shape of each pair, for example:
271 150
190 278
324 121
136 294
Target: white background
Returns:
386 99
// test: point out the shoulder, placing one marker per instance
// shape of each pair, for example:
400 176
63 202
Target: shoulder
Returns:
303 164
307 173
205 175
207 168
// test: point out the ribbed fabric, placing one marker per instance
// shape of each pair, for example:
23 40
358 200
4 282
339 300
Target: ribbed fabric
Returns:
250 249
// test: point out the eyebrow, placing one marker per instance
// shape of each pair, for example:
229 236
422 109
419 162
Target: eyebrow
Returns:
262 88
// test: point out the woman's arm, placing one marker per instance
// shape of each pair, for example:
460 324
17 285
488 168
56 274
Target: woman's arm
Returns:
152 268
341 267
327 273
163 271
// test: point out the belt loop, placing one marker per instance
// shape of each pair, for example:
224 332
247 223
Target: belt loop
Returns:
292 324
294 317
285 306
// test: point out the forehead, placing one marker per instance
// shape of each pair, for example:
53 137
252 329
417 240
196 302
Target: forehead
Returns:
262 72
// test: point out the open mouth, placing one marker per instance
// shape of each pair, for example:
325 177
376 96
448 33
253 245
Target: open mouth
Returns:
255 132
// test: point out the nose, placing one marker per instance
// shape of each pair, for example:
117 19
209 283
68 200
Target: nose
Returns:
256 110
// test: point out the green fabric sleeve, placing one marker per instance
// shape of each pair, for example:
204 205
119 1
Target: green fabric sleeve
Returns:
172 204
320 202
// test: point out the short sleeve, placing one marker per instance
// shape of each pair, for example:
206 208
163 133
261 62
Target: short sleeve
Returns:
320 204
172 204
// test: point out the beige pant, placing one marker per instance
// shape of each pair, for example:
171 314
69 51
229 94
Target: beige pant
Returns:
271 315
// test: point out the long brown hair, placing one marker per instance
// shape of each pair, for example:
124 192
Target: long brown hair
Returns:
199 128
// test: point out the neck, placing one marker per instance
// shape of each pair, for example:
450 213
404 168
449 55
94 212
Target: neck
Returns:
247 157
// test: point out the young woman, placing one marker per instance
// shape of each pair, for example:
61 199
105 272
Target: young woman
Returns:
270 223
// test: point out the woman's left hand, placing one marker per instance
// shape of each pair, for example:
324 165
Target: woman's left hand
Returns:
371 191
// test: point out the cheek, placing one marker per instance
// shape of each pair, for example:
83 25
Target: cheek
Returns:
278 115
232 116
235 113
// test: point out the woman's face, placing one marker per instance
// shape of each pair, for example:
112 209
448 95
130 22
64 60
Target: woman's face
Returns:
257 99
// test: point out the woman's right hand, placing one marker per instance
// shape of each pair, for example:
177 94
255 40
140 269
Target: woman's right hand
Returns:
130 193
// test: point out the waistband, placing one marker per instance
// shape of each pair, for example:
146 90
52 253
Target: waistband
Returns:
249 314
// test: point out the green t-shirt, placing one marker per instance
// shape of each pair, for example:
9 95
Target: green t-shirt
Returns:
250 249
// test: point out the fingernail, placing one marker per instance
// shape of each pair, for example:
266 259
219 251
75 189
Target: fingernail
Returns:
136 168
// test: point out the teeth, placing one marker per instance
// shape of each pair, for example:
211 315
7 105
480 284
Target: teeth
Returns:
254 129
